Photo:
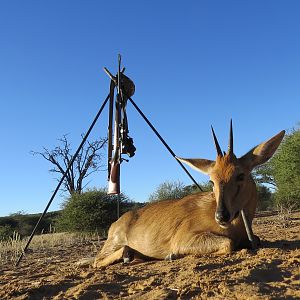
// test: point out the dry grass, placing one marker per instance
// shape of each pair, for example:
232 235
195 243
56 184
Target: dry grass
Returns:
11 249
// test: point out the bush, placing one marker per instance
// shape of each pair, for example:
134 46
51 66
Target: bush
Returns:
205 186
265 198
6 232
286 171
168 190
91 211
283 172
24 223
175 190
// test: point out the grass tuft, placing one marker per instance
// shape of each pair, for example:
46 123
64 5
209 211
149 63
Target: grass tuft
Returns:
11 249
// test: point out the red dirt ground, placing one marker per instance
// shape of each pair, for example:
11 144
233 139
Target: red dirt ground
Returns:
271 272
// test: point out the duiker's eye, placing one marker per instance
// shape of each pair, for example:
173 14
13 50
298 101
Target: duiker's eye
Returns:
240 177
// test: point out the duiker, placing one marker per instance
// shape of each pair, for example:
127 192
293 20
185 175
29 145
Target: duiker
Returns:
201 223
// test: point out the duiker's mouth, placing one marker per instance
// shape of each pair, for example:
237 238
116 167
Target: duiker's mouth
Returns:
224 224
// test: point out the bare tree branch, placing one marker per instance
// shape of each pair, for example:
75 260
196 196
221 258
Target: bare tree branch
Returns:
87 162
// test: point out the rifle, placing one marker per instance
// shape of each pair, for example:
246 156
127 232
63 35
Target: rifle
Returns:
119 141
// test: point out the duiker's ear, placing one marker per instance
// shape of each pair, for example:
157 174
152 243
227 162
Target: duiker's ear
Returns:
202 165
261 153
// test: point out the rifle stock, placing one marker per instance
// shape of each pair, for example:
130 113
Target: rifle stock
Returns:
114 169
114 178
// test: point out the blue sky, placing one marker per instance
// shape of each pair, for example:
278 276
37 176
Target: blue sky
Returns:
194 63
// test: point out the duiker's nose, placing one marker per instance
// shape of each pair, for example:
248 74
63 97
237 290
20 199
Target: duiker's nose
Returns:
222 215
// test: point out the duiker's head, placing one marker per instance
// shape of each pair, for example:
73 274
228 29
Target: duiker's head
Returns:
231 176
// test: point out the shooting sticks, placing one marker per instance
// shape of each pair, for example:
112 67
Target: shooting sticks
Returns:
119 143
62 179
118 140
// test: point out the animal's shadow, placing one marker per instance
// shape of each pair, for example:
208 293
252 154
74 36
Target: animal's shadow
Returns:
281 244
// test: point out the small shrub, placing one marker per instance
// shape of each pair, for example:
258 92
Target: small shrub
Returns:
265 198
176 190
168 190
6 232
91 211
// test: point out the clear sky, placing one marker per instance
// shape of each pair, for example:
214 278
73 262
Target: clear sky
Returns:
194 63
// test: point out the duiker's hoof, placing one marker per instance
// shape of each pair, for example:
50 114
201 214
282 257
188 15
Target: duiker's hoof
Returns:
170 257
126 260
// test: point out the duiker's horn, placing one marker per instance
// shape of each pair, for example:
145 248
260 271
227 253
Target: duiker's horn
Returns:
219 151
230 145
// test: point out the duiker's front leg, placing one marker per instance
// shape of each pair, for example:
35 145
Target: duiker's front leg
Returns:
102 261
125 253
202 243
133 256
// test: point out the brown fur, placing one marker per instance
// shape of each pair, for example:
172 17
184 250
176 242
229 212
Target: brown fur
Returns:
225 167
188 226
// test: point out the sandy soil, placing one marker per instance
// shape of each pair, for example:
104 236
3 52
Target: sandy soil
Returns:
271 272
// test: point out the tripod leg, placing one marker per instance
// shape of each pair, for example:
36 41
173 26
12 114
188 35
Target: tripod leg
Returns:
62 179
164 143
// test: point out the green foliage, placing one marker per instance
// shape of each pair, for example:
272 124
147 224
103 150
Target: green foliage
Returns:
193 188
175 190
283 172
6 231
285 167
265 198
91 211
263 174
24 223
168 190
